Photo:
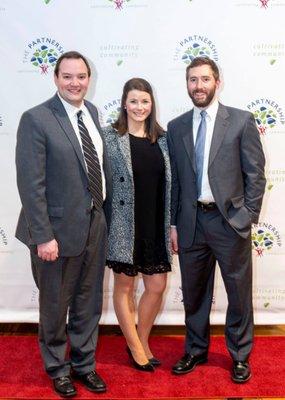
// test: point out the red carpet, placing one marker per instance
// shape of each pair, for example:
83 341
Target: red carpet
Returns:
22 375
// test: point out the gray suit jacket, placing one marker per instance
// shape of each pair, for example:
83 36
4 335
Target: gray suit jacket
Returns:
122 227
235 171
52 179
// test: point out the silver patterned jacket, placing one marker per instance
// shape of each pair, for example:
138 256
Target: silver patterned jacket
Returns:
122 228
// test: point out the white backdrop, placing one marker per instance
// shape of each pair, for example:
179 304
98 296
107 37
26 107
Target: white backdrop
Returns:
153 39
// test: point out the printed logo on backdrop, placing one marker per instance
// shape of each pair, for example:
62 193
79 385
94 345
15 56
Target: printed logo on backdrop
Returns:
118 5
178 296
274 178
265 239
272 52
2 6
119 53
41 55
268 114
2 126
35 295
47 1
110 112
260 4
194 46
3 238
268 295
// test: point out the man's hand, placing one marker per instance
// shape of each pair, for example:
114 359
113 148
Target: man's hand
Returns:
174 240
48 251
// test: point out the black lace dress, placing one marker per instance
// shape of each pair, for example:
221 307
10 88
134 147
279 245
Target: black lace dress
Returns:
150 255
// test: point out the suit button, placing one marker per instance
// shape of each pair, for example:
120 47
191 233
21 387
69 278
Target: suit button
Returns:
88 210
88 188
122 202
194 205
122 179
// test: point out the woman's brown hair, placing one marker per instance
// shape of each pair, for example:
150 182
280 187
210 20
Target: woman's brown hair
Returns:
152 127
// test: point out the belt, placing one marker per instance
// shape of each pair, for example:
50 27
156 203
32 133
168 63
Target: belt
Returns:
206 206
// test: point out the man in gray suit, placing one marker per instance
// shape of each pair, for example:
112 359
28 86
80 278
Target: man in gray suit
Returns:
218 185
63 180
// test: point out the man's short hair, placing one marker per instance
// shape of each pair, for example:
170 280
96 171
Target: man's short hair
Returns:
198 61
71 55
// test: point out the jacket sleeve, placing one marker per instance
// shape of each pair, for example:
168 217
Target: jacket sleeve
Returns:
252 163
175 187
31 177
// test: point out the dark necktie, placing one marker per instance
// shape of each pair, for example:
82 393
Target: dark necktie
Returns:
92 162
199 150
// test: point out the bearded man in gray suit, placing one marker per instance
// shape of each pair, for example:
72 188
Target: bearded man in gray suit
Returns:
217 189
64 183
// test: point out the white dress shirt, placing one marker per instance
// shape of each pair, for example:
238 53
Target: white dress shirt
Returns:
93 132
206 193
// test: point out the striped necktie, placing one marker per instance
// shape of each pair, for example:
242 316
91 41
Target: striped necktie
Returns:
199 150
92 162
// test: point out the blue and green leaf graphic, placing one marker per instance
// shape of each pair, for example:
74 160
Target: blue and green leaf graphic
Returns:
265 118
195 51
44 57
262 240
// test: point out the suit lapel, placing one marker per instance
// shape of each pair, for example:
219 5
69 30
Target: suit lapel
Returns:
220 128
62 117
124 147
187 137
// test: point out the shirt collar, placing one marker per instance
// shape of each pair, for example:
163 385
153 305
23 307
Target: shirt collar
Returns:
70 109
212 110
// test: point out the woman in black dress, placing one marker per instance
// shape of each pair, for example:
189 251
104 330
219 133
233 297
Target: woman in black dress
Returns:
139 231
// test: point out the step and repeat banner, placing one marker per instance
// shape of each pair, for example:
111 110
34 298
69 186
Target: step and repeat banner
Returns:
153 39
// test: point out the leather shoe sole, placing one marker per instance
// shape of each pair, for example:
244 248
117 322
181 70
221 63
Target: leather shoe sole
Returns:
188 362
64 386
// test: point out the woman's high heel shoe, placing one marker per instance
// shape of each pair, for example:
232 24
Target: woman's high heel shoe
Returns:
154 361
148 367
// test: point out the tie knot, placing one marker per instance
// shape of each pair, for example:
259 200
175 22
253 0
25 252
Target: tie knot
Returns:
203 114
79 115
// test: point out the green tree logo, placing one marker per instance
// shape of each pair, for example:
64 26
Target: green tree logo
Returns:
43 58
262 240
196 50
265 118
47 1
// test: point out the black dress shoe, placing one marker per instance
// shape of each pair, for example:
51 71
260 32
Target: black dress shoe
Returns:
188 362
92 381
154 361
64 386
148 367
241 372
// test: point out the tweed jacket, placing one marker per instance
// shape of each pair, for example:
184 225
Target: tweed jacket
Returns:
122 227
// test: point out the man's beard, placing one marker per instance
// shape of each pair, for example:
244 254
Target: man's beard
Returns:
202 103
